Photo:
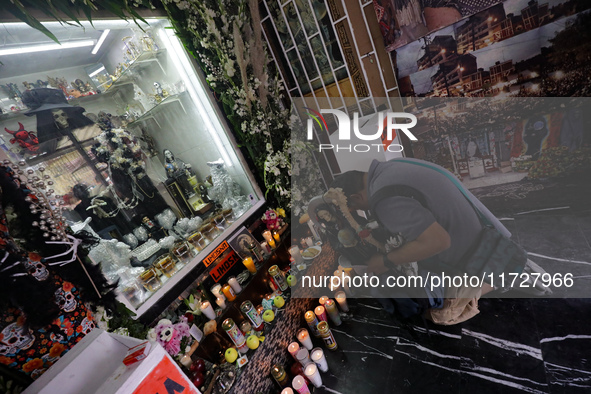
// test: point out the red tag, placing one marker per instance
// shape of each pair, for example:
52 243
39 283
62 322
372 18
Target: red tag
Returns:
364 233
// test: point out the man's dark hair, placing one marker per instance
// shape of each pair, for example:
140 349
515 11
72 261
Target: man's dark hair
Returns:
351 182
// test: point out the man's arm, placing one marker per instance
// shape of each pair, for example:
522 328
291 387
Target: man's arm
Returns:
432 241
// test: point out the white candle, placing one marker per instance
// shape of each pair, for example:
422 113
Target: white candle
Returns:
318 357
216 291
221 303
287 390
234 285
293 349
268 236
313 230
309 242
311 372
342 300
299 384
304 339
303 356
294 251
207 310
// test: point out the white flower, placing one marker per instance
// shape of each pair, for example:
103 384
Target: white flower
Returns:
152 337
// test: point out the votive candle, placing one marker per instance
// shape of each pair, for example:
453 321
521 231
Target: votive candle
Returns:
271 243
299 384
267 235
276 236
235 285
333 312
311 372
322 300
304 339
309 242
320 313
341 298
294 251
287 390
221 303
293 349
303 356
207 310
249 264
318 357
216 290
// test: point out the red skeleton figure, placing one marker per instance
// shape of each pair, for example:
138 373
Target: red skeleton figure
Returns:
26 139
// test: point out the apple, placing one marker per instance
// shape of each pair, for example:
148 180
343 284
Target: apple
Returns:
252 342
279 301
198 379
189 317
291 280
231 355
268 316
199 365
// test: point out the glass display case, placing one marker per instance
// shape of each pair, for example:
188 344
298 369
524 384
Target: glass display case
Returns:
122 129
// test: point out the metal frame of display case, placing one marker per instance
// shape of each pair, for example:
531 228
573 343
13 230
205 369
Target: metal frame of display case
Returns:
214 114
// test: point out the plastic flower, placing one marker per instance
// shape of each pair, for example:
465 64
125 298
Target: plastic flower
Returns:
32 365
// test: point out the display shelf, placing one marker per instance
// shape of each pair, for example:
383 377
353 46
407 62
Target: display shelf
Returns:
150 113
126 77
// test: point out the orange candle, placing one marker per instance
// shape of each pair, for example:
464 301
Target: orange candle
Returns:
271 243
276 236
228 292
249 264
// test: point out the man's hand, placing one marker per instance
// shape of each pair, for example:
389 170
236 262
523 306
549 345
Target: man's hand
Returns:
376 264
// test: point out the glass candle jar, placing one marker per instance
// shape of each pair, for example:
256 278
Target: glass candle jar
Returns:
182 251
166 265
228 292
150 280
220 221
210 231
228 215
198 241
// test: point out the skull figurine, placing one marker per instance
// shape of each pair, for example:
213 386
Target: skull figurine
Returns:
37 269
60 118
65 300
14 338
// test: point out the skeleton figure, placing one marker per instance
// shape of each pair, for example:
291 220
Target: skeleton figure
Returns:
14 338
87 325
60 118
65 299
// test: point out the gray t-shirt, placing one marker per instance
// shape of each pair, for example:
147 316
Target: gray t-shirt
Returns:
406 217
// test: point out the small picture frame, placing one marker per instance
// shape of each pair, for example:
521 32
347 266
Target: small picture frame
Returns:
240 242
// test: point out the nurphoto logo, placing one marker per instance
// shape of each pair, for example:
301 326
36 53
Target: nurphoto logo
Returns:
386 120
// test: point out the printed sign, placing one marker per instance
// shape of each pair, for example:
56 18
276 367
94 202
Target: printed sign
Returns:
224 266
217 252
166 378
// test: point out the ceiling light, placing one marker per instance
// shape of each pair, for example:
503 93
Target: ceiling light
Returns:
46 47
92 74
100 41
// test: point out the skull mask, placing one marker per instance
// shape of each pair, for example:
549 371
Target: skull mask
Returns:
15 338
166 334
37 269
65 300
87 325
60 118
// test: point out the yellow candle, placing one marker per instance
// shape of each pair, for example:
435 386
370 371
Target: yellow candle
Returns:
271 243
249 264
276 236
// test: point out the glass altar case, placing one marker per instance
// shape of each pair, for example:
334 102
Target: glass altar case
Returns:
120 129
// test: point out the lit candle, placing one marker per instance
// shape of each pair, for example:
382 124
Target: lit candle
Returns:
342 300
216 291
287 390
309 242
249 264
293 349
299 384
266 248
303 356
318 357
311 372
207 310
276 236
304 339
322 300
221 303
271 243
333 283
320 313
333 312
234 284
267 235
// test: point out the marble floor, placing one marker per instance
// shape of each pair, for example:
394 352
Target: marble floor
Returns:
512 346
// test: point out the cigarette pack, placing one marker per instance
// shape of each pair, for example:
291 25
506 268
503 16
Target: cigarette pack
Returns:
137 353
